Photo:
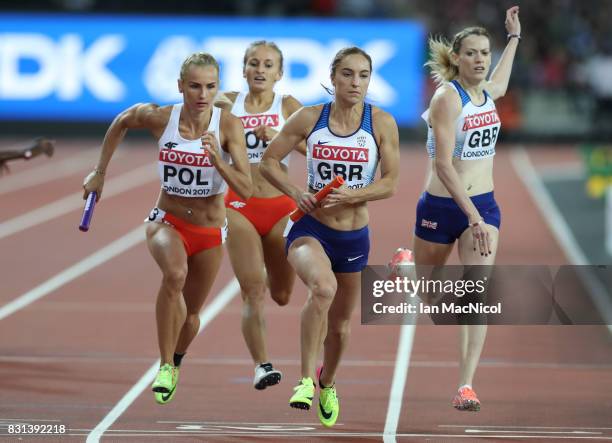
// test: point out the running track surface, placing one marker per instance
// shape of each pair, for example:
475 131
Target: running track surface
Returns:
72 354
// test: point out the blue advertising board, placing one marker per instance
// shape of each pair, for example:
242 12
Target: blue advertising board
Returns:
90 67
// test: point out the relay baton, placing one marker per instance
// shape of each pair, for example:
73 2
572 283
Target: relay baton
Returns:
335 183
90 204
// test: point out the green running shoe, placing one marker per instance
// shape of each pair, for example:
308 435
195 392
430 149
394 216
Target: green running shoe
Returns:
165 381
304 393
166 397
329 407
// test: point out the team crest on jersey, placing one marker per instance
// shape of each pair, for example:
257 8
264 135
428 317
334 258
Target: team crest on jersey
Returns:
361 141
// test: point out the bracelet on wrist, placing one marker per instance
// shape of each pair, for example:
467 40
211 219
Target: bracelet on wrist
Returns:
98 171
473 225
518 36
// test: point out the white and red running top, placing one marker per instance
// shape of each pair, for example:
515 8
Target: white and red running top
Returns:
184 167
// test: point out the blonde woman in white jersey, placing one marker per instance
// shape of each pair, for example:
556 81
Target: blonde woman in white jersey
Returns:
186 229
329 246
458 204
256 244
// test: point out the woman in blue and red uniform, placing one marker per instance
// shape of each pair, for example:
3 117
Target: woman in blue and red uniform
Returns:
329 246
256 245
458 203
186 229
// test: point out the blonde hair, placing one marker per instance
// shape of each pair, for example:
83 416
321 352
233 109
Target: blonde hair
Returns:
266 43
198 59
440 50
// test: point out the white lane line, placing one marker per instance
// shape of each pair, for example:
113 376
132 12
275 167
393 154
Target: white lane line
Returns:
400 374
331 435
49 171
246 423
115 248
562 232
562 172
525 428
546 205
73 202
519 431
207 315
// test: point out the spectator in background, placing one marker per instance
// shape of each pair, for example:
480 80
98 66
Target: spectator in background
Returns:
598 75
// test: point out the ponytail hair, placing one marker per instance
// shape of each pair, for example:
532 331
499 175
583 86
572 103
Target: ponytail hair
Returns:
440 62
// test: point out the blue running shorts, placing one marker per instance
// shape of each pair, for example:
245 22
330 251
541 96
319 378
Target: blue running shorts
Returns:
440 220
347 250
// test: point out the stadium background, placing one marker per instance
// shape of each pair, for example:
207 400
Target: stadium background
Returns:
76 313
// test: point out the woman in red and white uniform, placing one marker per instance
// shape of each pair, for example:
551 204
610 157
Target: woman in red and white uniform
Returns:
256 245
187 227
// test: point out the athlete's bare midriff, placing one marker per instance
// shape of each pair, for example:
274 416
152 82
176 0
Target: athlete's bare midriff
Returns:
201 211
344 217
476 176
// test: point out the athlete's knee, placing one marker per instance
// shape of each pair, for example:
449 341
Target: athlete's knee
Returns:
322 292
174 279
193 321
253 292
281 296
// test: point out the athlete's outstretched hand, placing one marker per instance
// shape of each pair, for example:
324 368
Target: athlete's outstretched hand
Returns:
513 25
94 182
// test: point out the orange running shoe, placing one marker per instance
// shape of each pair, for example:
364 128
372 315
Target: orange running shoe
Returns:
401 262
466 400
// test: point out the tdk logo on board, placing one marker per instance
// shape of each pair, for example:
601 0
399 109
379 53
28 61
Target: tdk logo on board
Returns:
312 56
63 66
92 67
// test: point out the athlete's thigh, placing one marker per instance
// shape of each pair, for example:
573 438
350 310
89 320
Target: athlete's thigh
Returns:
347 296
280 273
468 256
203 268
430 253
245 249
166 246
309 260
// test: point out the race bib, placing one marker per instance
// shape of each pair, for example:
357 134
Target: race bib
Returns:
481 131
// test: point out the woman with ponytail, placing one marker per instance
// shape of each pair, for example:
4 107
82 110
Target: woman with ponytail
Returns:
458 203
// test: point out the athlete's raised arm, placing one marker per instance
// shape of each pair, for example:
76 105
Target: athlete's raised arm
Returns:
500 77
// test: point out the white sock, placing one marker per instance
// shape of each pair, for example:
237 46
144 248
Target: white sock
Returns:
465 386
